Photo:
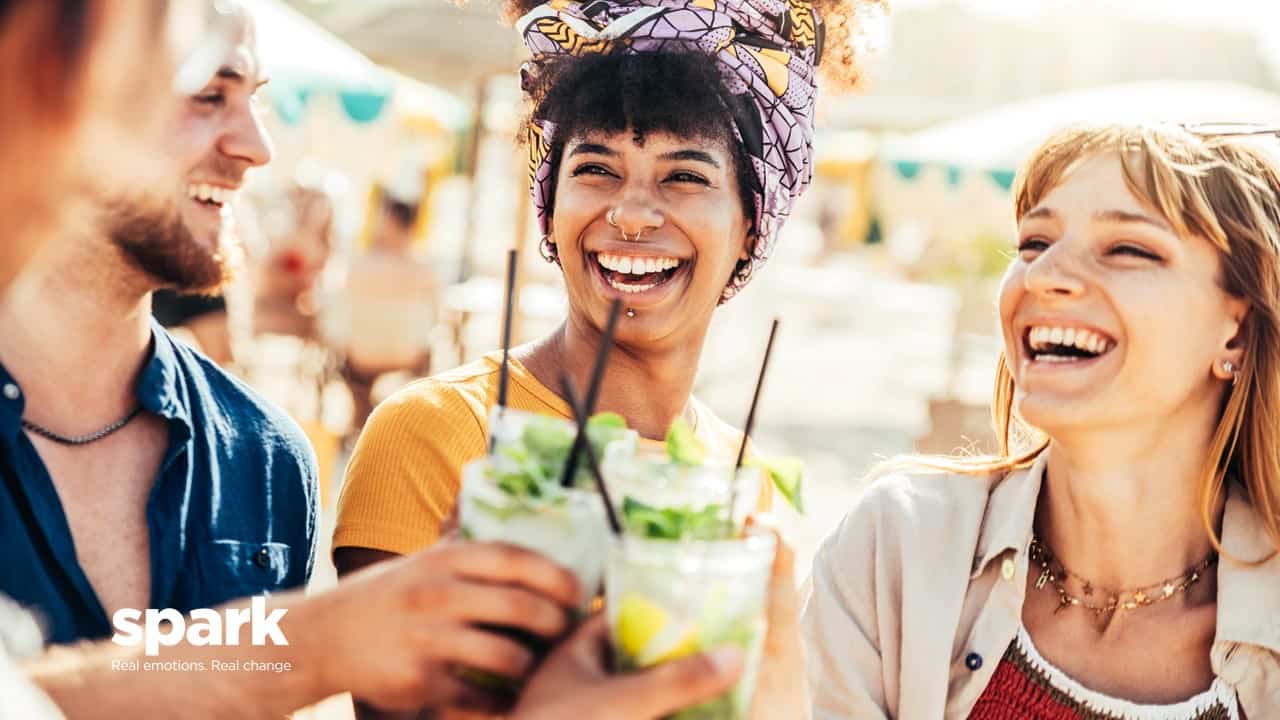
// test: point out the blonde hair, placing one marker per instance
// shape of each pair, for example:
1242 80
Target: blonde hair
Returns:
1225 189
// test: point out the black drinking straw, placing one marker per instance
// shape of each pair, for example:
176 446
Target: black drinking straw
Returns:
593 391
566 386
503 372
751 420
602 355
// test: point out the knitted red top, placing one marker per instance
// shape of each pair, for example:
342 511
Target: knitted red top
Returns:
1026 687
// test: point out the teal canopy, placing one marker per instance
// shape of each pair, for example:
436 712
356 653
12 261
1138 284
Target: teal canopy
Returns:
305 61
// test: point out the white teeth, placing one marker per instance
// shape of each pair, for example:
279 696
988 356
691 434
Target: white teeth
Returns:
210 193
635 265
1041 337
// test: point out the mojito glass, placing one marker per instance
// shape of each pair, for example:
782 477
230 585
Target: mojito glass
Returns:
514 495
670 599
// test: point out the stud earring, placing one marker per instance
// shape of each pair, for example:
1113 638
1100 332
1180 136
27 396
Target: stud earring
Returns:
1230 367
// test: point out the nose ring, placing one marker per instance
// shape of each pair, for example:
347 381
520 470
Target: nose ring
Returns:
612 217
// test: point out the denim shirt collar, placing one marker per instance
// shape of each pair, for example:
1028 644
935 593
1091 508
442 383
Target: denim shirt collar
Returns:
159 387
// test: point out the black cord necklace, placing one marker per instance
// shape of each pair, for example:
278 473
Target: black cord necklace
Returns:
81 439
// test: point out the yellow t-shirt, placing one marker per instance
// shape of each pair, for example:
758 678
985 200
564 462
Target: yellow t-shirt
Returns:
406 471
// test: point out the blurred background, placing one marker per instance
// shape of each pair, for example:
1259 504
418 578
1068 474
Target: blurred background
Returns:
376 238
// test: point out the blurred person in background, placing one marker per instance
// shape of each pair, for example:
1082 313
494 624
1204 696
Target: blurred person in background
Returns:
1119 557
287 283
666 152
76 100
383 317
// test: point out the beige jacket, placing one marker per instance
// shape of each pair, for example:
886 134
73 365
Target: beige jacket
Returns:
925 579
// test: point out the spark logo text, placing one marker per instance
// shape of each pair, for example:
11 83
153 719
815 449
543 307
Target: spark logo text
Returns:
169 627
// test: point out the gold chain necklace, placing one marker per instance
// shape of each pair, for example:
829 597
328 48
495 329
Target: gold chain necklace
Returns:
1056 574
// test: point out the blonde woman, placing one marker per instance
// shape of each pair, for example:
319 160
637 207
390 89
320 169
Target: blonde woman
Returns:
1118 557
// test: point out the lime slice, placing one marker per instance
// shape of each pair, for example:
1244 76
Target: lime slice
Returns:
646 634
672 643
639 620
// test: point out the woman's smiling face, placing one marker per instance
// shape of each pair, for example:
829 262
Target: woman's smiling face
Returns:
1110 317
657 224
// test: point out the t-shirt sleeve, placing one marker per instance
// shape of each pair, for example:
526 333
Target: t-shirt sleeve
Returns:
405 473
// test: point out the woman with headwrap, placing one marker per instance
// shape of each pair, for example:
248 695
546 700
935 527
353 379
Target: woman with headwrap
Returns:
668 141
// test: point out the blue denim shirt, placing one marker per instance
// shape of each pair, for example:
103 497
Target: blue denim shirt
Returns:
233 512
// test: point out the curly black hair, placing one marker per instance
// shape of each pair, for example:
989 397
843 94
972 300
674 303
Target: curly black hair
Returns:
672 93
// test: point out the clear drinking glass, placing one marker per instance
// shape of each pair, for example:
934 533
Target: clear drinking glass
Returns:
669 599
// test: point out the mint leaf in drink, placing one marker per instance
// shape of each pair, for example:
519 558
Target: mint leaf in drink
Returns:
786 473
683 446
648 521
530 465
547 440
607 420
673 523
603 429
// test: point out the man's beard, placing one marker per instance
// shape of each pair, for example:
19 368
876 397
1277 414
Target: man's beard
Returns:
154 239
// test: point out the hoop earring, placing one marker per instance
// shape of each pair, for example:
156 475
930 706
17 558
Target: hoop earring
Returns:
548 250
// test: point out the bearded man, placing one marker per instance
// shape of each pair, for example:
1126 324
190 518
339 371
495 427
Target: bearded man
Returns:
137 473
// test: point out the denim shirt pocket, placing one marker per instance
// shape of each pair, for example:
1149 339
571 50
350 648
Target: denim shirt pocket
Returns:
231 569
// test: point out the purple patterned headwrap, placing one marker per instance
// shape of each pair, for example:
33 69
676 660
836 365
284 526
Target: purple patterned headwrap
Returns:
766 50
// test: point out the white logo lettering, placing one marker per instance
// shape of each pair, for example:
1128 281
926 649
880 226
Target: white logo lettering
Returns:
167 627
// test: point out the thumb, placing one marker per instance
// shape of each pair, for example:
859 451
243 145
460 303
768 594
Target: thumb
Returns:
662 690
